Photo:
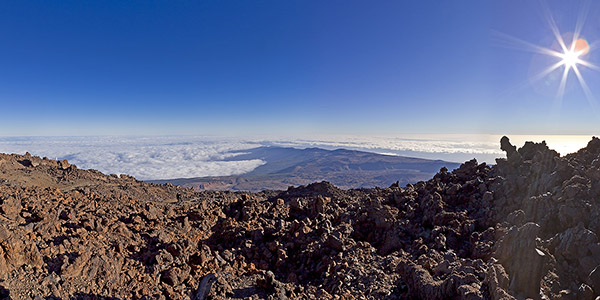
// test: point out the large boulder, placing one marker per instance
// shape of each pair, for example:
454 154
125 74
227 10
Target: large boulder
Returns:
523 260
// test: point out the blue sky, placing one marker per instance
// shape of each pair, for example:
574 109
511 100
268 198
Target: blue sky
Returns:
286 67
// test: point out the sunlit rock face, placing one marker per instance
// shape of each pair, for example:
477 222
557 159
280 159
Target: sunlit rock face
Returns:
525 228
558 199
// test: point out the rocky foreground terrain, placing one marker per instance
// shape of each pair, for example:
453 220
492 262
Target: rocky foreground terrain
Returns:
525 228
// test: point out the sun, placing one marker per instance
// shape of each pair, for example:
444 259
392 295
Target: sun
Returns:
570 58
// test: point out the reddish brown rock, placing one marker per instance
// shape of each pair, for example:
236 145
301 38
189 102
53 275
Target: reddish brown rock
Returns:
523 228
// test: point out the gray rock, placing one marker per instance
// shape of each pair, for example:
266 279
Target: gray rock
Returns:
523 261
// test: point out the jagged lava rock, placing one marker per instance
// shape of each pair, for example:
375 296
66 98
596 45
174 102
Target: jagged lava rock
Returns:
526 227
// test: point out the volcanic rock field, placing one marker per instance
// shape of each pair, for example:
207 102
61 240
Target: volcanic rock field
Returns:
526 227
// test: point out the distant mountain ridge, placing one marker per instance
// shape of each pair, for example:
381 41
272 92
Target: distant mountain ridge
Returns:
285 167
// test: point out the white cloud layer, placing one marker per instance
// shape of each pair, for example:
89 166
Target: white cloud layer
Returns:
143 157
184 156
447 147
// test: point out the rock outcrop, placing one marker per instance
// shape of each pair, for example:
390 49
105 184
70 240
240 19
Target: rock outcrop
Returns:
525 228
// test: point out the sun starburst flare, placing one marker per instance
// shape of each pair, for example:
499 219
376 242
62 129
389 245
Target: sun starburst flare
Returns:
571 57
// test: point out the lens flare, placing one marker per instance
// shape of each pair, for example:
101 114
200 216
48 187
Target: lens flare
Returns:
581 46
570 56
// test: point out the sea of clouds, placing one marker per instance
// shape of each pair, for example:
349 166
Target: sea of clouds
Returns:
450 148
168 157
143 157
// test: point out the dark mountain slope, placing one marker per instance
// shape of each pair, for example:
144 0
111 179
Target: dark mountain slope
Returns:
344 168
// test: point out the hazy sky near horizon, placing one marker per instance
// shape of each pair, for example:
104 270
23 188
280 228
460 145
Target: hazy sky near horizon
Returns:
285 67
